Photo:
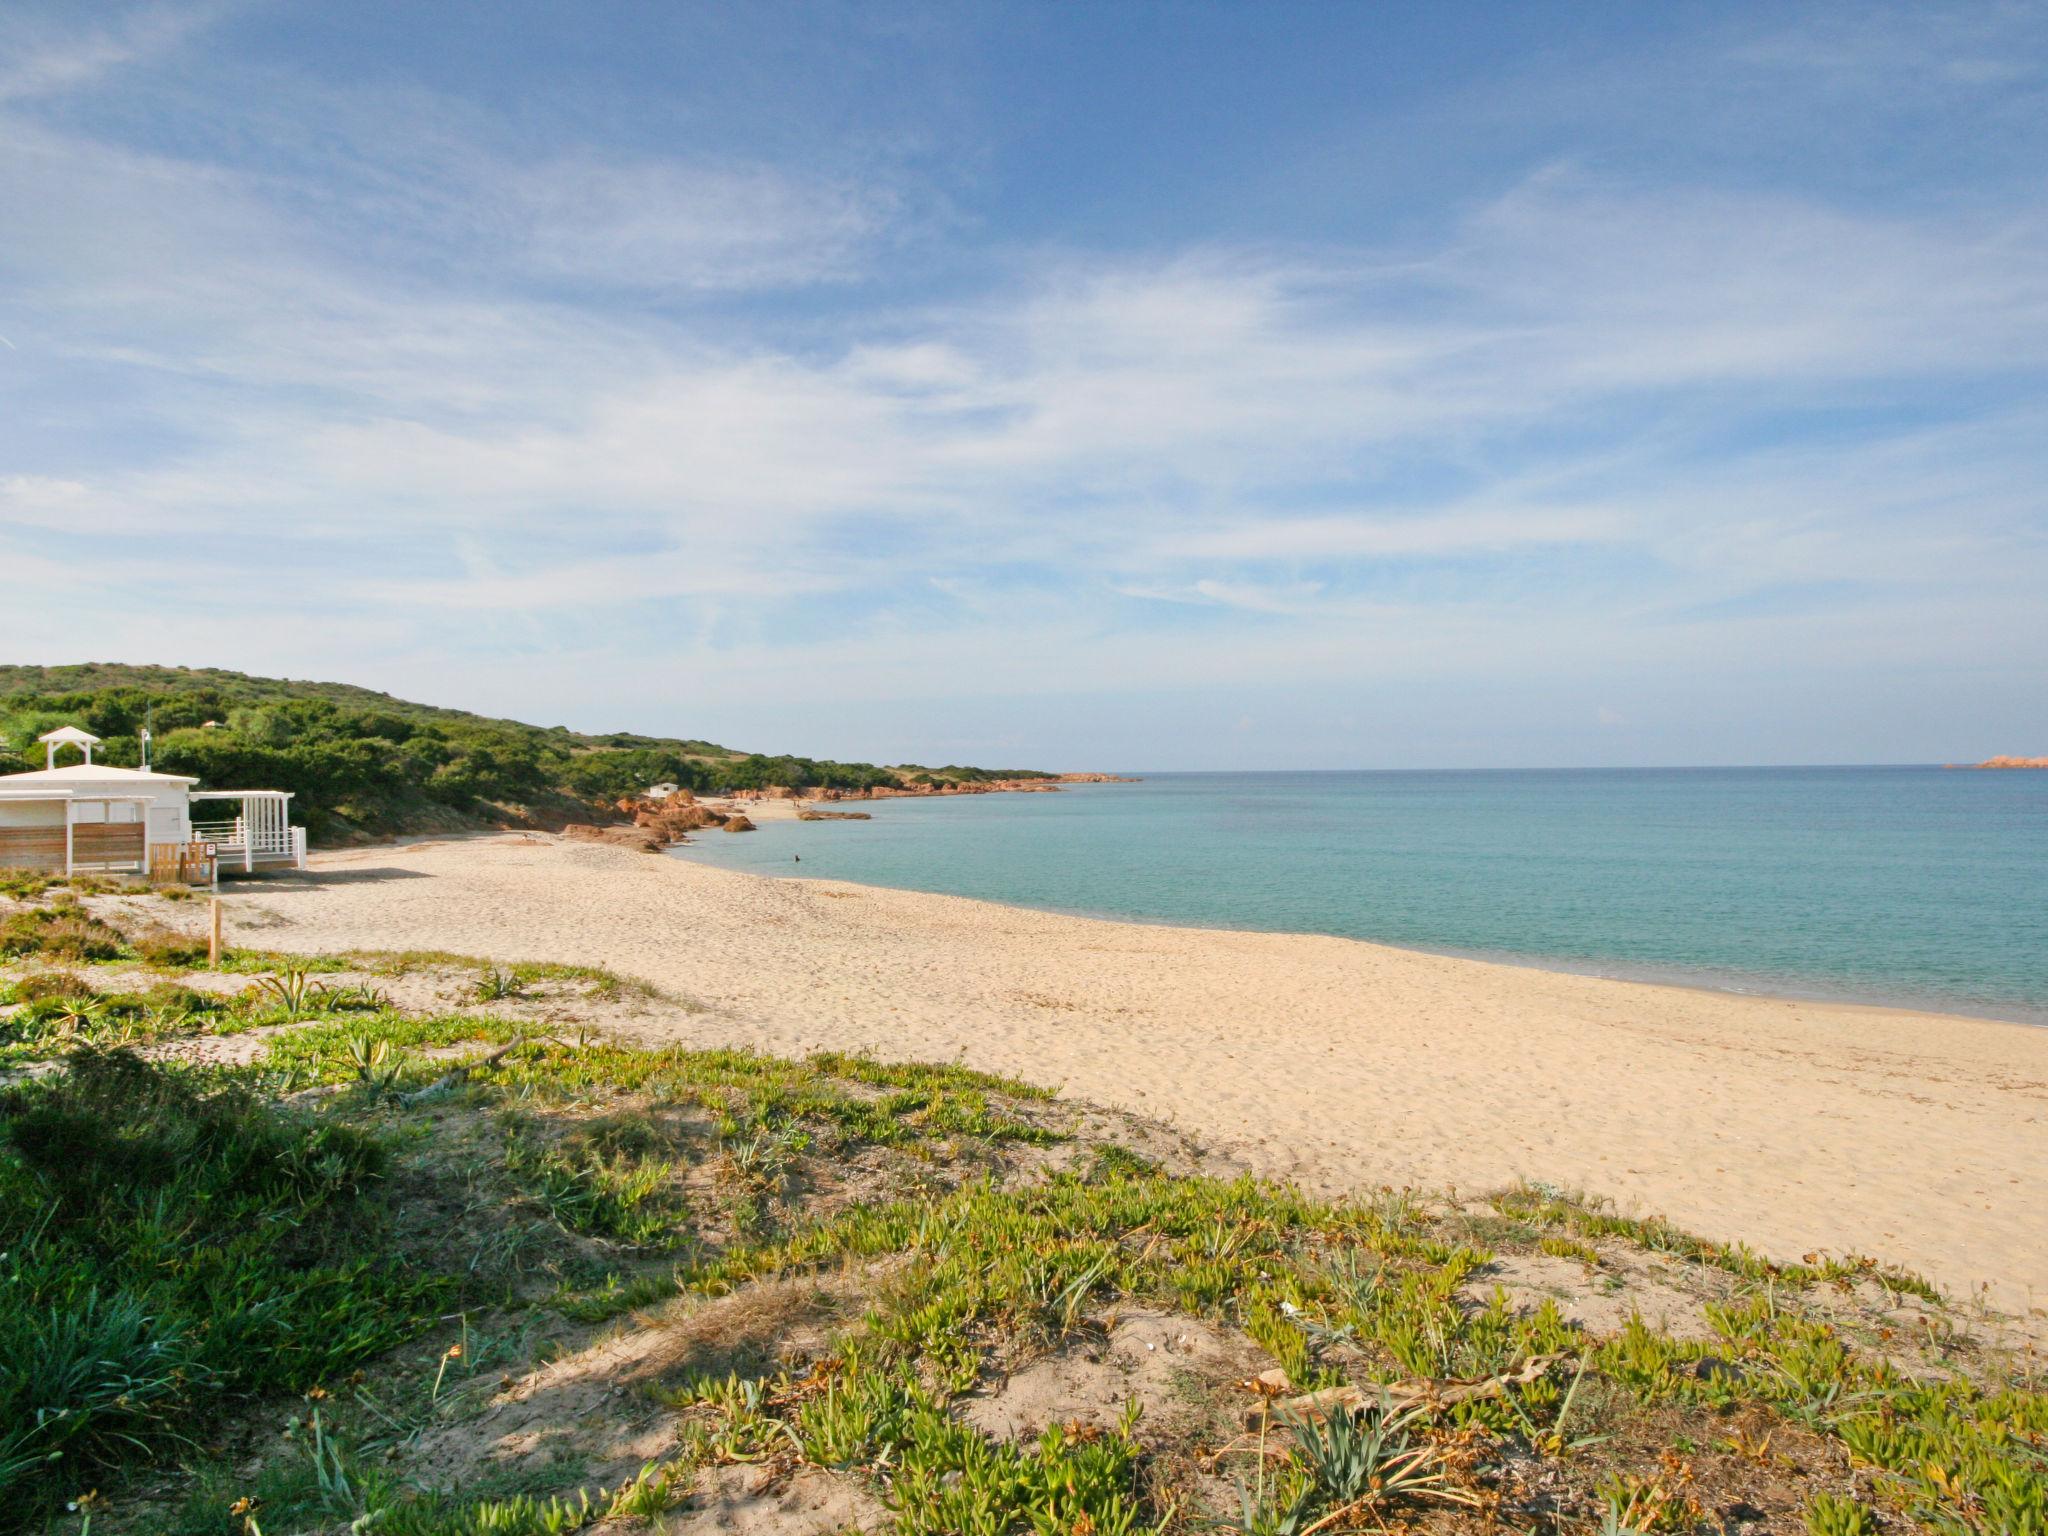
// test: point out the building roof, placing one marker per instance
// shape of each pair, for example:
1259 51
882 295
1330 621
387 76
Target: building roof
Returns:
70 736
80 776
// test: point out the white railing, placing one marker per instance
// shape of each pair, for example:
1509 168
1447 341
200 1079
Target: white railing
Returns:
261 829
226 834
235 835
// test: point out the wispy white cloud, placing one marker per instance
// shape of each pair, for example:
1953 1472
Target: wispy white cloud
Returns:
1930 46
1378 533
41 56
533 408
1627 288
1251 597
656 225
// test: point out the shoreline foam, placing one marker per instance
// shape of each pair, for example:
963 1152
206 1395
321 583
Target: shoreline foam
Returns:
1784 1123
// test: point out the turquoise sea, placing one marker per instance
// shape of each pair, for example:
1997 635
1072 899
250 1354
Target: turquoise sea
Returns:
1922 887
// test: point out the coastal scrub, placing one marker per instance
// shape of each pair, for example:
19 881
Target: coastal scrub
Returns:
281 1254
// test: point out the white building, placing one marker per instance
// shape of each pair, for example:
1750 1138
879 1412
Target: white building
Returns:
90 816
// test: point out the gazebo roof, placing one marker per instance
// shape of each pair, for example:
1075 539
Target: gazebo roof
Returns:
71 736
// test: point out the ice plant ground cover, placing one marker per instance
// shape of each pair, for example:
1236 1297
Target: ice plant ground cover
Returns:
420 1244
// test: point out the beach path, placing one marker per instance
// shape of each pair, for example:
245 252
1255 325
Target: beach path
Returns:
1793 1126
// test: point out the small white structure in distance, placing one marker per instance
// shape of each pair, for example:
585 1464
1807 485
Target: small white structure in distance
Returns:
92 816
661 791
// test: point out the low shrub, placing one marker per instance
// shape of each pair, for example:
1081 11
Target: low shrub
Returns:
162 947
166 1238
47 985
168 997
26 884
102 885
63 930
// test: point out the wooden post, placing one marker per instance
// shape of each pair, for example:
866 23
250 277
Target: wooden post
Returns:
213 939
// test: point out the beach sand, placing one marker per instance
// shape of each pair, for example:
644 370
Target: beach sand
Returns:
1793 1126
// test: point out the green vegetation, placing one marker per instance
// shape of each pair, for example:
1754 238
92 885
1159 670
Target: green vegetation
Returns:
59 1011
62 931
522 974
168 1239
297 1294
1549 1208
29 884
957 774
363 763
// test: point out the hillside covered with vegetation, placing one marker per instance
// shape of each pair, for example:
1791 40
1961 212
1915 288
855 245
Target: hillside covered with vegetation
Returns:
363 763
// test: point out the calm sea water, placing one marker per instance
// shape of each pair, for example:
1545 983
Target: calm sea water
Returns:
1914 886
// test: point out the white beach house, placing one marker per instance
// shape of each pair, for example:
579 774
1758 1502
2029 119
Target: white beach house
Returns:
91 816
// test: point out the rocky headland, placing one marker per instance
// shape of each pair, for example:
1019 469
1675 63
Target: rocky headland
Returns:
651 824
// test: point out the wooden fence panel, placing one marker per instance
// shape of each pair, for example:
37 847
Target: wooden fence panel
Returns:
180 864
103 842
32 848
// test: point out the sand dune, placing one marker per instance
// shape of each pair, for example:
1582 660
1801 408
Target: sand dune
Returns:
1919 1138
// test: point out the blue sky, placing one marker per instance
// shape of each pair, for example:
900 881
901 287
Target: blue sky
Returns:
1113 385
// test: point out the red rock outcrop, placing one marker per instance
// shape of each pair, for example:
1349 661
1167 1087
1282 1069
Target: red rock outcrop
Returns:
659 823
616 837
2014 762
668 819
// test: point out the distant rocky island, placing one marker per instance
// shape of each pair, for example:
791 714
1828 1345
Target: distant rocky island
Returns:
2012 762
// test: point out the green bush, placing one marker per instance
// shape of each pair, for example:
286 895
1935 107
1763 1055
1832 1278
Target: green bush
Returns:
52 985
61 931
169 949
25 884
166 1238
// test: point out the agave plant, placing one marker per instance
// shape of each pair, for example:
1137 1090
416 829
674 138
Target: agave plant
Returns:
70 1017
292 991
495 985
176 1010
1371 1456
372 1059
360 998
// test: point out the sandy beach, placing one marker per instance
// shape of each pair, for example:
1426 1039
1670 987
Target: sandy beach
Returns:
1793 1126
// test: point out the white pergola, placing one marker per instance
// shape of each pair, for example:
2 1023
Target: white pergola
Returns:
260 831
